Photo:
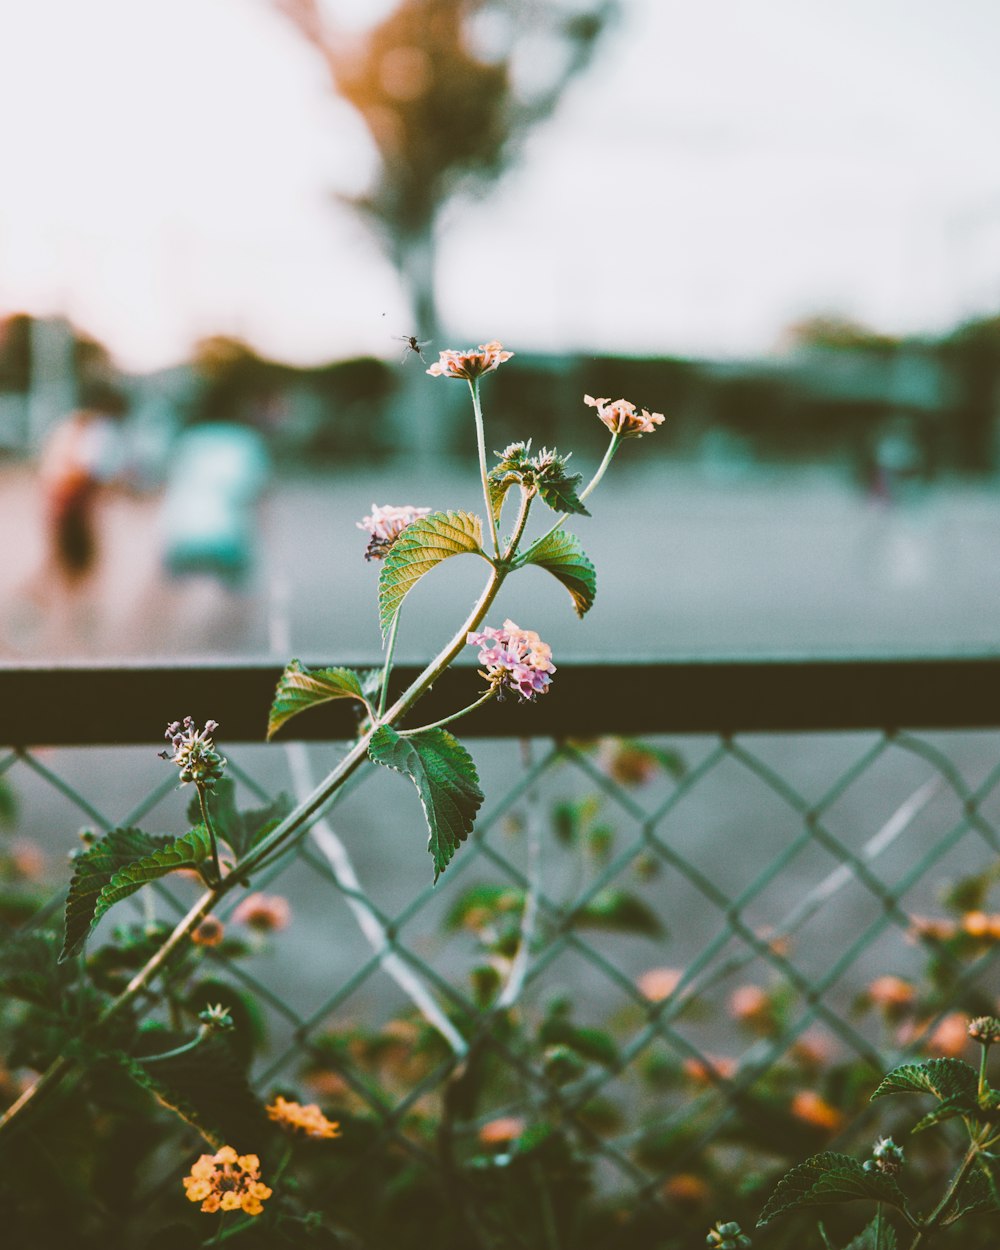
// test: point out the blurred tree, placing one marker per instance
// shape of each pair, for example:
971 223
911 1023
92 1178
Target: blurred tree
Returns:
448 89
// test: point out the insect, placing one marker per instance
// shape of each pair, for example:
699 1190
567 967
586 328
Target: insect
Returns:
412 345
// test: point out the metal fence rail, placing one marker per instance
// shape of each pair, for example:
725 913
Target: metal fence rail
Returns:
788 825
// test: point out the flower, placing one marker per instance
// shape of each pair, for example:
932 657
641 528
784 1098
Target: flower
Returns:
727 1237
950 1036
686 1189
385 524
470 364
501 1130
887 1157
264 912
751 1005
309 1119
891 994
516 659
622 419
194 752
985 1029
810 1108
657 984
209 933
227 1181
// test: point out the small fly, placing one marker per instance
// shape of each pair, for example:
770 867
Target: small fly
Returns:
412 345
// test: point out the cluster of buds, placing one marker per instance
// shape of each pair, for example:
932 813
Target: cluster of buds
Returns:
887 1157
985 1030
194 752
515 659
304 1119
727 1237
469 364
385 525
623 418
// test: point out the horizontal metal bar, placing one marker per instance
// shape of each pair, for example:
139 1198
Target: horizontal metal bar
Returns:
132 703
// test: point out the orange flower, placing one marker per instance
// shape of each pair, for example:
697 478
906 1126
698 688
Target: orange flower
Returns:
890 993
751 1005
309 1119
502 1130
950 1036
227 1181
710 1069
686 1190
209 933
809 1107
470 364
622 419
658 983
264 912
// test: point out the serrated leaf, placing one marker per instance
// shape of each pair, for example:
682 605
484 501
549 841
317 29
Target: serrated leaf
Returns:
975 1193
947 1110
826 1178
618 911
100 889
499 483
878 1235
419 548
950 1080
446 780
239 830
92 870
558 489
300 688
560 552
207 1087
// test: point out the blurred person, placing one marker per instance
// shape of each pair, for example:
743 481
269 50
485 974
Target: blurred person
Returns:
81 460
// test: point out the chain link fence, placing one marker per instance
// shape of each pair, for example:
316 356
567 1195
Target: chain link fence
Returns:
696 934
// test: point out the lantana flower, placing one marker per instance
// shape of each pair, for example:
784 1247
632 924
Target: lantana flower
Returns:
227 1181
623 419
515 659
385 524
307 1119
469 364
264 912
210 932
194 752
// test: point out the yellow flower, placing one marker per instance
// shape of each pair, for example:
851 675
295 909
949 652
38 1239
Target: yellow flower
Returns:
227 1181
309 1119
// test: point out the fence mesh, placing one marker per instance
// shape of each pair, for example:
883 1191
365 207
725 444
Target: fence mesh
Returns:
688 930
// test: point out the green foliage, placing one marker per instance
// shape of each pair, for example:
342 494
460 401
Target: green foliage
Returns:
618 911
122 862
205 1085
419 548
446 780
827 1178
561 554
240 830
29 967
878 1235
557 488
300 688
596 1045
949 1080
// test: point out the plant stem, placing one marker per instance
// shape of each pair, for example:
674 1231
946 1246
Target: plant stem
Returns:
203 804
930 1223
522 519
609 455
383 693
446 720
481 445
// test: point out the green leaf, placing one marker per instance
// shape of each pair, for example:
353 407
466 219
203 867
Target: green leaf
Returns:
879 1235
976 1193
946 1110
239 830
29 968
207 1087
827 1178
446 780
950 1080
108 876
560 552
618 911
558 488
593 1044
92 870
422 545
299 688
484 903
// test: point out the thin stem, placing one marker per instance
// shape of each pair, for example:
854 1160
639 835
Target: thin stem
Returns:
446 720
930 1223
985 1050
207 819
609 455
383 693
522 519
481 445
519 968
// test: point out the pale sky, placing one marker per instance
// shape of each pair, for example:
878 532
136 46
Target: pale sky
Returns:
724 168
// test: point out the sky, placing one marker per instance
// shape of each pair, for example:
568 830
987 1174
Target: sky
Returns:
170 170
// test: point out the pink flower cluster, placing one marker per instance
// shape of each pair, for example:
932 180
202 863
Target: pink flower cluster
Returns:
515 659
385 524
622 418
470 364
